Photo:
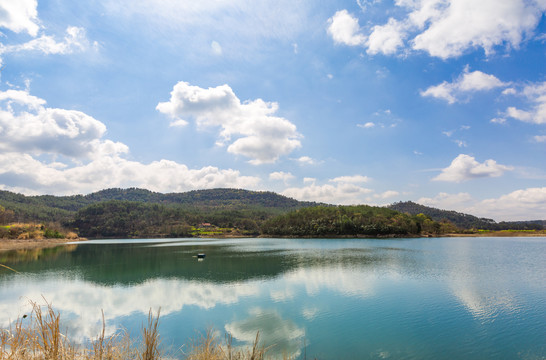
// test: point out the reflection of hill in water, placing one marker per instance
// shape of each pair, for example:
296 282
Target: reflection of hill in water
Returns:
111 264
42 254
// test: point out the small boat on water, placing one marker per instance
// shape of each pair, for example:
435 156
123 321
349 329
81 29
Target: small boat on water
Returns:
201 256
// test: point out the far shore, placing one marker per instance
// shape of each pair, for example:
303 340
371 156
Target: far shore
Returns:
18 244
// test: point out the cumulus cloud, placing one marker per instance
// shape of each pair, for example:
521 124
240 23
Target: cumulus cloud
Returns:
535 94
261 136
465 167
23 173
386 39
20 16
27 125
306 160
344 29
31 133
467 82
524 204
345 191
467 24
446 29
281 175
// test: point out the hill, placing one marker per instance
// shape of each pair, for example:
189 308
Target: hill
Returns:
466 221
141 213
58 208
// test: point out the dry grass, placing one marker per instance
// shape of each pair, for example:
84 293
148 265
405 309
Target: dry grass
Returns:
150 337
209 347
38 336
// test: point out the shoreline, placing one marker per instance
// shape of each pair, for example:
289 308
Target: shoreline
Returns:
20 244
25 244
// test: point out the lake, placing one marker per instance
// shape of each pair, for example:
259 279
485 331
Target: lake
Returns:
426 298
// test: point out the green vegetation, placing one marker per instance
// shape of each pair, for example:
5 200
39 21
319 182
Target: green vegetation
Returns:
363 220
35 231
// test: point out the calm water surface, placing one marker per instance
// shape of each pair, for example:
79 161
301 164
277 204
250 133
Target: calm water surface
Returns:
449 298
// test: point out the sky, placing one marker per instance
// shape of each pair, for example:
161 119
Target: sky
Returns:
441 102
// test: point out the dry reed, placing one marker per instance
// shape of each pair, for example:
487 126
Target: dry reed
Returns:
38 336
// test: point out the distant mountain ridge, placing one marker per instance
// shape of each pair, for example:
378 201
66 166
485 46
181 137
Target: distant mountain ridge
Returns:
119 212
59 208
466 221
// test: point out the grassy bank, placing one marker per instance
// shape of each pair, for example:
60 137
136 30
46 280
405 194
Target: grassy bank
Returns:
19 236
40 336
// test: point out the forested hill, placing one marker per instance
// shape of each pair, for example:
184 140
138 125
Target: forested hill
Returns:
466 221
62 208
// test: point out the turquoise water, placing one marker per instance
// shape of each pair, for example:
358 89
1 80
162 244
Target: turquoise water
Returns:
448 298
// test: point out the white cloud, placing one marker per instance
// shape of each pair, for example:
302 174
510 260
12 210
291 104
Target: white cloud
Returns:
22 16
467 82
367 125
448 201
30 133
460 143
22 173
19 16
509 91
281 175
344 192
386 39
216 48
498 121
344 29
355 179
26 125
306 160
262 136
446 28
535 95
74 40
525 204
463 24
465 167
539 138
387 194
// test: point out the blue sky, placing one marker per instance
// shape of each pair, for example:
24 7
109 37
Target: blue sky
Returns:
344 102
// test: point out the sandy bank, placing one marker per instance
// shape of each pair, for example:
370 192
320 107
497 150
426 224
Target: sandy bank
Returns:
17 244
